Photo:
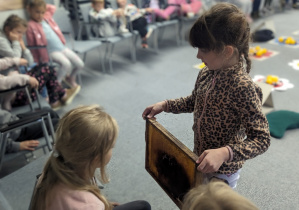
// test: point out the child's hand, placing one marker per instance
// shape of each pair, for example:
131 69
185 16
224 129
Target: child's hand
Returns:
211 160
29 145
149 10
33 82
13 36
23 62
153 110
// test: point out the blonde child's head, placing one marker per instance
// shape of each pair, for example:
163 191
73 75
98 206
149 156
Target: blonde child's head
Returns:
16 25
84 140
223 25
216 196
122 3
36 9
98 5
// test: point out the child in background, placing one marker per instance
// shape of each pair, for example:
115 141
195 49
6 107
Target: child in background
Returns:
139 22
215 196
107 18
12 45
229 126
20 139
158 7
85 139
43 31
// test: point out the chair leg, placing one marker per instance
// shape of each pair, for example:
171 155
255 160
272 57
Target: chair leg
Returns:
111 48
46 135
29 98
51 128
3 147
102 60
133 49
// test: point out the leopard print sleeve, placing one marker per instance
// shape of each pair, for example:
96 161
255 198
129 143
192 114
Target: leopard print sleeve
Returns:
183 104
247 103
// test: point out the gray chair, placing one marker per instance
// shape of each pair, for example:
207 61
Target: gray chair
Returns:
35 118
79 46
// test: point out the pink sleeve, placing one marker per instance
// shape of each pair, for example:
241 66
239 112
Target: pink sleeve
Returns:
50 10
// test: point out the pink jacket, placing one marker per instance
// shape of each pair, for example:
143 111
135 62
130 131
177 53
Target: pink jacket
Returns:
63 198
36 36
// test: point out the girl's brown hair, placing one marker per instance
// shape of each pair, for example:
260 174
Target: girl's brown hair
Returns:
216 196
84 134
224 24
12 22
35 4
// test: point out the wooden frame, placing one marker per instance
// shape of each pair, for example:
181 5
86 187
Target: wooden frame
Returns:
11 4
170 162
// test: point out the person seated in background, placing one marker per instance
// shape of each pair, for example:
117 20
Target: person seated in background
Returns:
136 17
85 138
216 195
108 19
12 45
44 31
25 138
166 10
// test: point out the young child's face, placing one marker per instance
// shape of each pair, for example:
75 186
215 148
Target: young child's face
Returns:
37 13
98 6
17 32
210 58
122 3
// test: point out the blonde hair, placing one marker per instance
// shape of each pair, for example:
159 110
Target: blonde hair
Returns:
84 134
216 196
14 21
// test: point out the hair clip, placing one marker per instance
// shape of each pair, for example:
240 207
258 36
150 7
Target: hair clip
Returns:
55 153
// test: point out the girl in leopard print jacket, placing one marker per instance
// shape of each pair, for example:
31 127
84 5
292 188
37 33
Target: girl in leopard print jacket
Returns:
229 125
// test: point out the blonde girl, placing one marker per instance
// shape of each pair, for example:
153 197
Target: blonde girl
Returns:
216 196
85 139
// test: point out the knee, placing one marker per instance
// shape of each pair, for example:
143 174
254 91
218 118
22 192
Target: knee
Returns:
143 205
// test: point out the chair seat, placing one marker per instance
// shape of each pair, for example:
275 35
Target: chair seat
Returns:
167 23
83 46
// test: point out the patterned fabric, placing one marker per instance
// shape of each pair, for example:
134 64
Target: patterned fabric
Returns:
227 107
46 77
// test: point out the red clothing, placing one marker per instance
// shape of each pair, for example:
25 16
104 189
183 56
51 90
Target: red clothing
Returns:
36 37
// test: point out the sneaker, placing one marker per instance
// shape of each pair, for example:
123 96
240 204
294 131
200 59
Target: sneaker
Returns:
144 43
149 33
57 105
123 29
70 95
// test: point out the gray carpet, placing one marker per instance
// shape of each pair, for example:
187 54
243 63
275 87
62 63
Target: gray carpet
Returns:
270 180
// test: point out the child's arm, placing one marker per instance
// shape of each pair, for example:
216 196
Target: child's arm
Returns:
8 82
255 122
183 104
50 10
10 50
5 63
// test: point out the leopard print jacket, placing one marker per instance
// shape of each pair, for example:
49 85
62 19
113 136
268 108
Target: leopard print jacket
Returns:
227 110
